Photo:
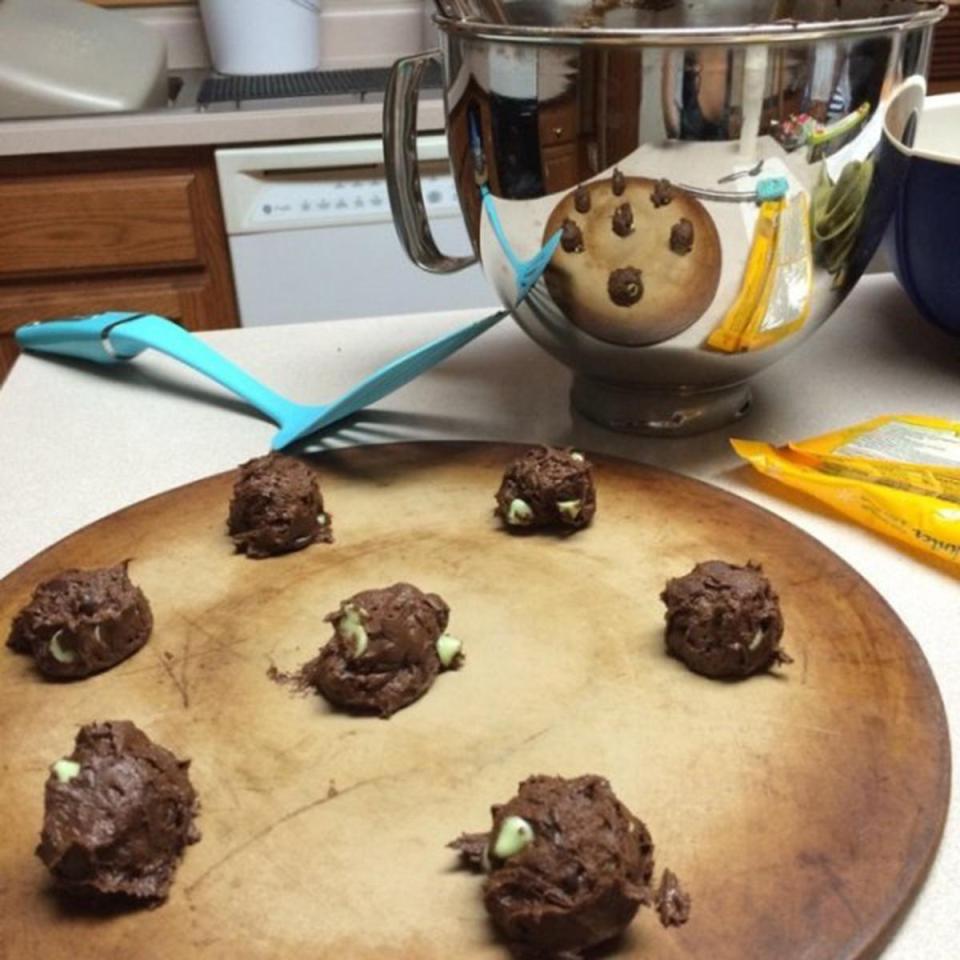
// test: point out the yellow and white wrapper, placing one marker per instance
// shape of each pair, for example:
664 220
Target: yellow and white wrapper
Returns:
774 297
898 475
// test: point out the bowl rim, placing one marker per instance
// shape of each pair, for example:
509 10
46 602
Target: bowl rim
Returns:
926 13
946 102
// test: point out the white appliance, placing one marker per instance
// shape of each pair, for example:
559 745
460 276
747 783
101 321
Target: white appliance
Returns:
312 238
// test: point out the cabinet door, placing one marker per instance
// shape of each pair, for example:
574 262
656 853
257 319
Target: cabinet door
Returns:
188 299
136 231
559 126
93 222
560 169
945 59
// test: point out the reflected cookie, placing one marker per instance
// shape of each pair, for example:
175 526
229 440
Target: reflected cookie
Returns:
628 224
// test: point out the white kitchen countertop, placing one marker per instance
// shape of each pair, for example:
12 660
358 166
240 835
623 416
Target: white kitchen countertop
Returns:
78 442
180 127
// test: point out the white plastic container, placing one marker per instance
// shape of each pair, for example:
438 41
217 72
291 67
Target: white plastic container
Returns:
249 37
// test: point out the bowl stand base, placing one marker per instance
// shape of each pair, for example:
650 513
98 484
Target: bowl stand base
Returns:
658 412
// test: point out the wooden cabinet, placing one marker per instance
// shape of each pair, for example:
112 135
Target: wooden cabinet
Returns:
945 58
140 231
558 123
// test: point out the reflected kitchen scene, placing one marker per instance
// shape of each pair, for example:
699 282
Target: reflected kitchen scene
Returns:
712 179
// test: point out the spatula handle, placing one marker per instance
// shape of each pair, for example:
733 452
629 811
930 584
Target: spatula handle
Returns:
82 337
129 339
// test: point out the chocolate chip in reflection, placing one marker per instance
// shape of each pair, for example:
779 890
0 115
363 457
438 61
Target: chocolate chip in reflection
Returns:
681 237
581 199
625 286
623 220
662 193
571 237
619 182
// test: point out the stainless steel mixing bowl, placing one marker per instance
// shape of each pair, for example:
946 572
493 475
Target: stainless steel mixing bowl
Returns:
715 168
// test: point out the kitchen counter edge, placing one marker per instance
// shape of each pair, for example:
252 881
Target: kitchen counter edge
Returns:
133 131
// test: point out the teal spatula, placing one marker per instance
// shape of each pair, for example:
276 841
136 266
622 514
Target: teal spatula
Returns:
114 337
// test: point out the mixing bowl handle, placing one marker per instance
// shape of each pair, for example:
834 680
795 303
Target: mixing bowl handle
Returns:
403 178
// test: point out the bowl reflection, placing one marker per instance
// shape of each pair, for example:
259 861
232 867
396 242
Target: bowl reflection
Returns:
712 195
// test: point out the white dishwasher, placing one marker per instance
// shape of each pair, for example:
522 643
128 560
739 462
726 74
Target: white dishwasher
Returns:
312 238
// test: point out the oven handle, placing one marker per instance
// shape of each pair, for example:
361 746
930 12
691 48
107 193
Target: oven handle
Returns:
400 158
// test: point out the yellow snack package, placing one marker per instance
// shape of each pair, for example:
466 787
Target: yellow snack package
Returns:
785 304
898 475
774 297
756 280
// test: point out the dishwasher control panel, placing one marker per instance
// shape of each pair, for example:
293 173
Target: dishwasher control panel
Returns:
300 202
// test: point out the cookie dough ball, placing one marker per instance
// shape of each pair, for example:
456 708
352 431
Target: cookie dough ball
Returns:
568 867
662 193
547 487
571 237
681 237
387 649
276 508
581 199
623 220
118 814
82 622
724 620
625 286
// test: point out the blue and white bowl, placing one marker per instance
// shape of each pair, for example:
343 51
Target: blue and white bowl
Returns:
923 243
